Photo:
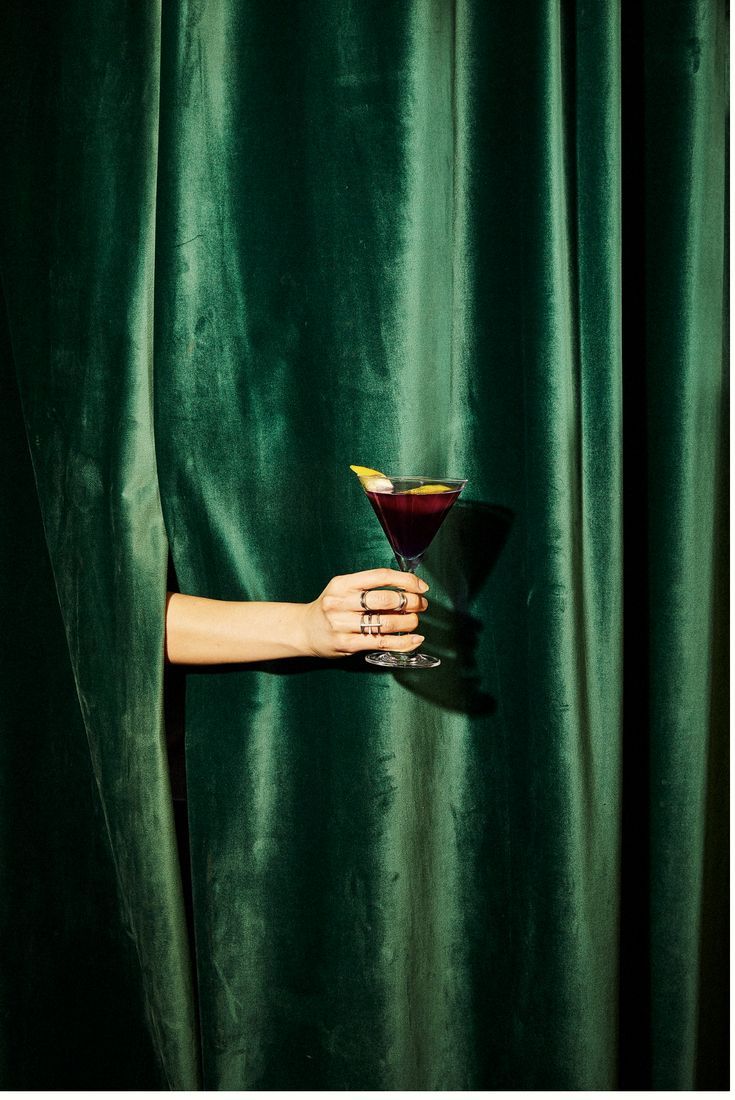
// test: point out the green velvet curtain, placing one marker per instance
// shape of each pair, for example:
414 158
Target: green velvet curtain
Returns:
243 245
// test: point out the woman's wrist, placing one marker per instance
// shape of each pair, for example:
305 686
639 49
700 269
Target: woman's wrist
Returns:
275 630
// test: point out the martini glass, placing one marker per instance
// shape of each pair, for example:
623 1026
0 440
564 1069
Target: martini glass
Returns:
411 510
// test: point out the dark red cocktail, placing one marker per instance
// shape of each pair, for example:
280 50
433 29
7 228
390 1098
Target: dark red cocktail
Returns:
410 520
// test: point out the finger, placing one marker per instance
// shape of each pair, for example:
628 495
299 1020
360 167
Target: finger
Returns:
398 624
382 599
402 643
374 578
349 621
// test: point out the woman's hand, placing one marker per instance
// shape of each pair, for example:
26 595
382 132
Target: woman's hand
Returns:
332 621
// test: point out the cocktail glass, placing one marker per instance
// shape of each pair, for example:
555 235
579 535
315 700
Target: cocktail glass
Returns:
411 510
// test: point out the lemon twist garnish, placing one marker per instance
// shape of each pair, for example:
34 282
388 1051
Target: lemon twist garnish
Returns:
421 489
373 480
365 471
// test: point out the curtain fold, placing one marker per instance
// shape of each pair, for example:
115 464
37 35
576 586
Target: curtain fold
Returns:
401 235
80 117
685 262
60 925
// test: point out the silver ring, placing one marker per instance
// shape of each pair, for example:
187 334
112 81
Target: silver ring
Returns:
363 602
403 602
367 626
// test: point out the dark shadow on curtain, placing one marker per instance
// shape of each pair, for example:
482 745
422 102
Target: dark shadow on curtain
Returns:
174 709
70 998
463 556
635 1051
713 1030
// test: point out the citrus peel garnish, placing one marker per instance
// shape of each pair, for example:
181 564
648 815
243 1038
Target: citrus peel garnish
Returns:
365 471
420 490
373 480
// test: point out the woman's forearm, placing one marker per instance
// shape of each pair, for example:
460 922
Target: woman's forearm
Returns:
204 632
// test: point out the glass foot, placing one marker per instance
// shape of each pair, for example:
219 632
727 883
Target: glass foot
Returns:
403 661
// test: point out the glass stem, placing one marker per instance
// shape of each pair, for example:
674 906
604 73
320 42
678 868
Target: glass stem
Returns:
404 658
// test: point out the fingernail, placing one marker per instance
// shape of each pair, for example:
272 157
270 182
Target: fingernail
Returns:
418 638
423 586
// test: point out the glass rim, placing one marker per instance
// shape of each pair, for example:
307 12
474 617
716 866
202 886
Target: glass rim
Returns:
416 477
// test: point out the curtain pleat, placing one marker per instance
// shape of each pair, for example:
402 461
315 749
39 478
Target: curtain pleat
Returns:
71 991
684 288
80 114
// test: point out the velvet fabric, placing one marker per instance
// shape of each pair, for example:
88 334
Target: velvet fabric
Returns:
243 246
80 119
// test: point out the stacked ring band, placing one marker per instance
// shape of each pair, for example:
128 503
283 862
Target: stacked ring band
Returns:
367 626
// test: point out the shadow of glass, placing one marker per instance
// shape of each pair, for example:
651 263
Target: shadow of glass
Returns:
458 564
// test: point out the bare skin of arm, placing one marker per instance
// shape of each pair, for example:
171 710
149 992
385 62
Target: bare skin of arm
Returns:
200 631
